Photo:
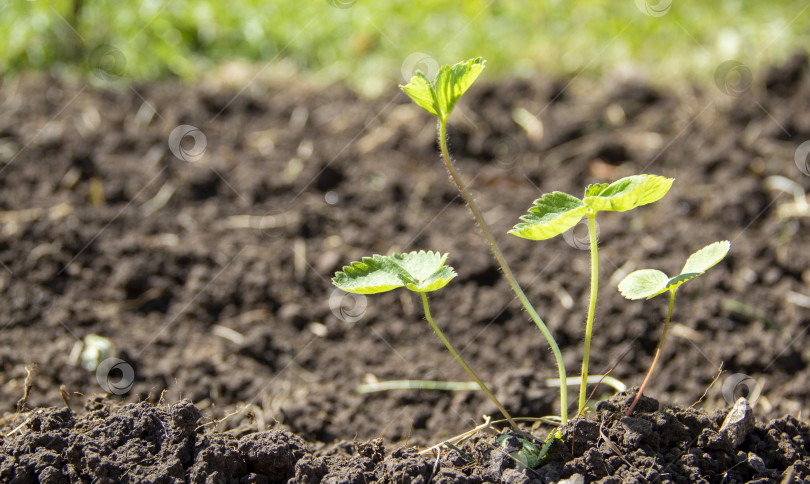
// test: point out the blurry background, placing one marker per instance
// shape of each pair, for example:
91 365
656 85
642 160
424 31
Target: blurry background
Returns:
372 43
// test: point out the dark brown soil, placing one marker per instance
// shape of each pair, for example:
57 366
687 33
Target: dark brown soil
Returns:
143 443
211 279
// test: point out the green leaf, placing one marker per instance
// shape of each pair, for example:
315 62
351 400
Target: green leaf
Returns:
648 283
453 81
418 271
595 189
627 193
529 454
367 277
704 259
425 270
435 281
675 282
645 283
551 215
421 91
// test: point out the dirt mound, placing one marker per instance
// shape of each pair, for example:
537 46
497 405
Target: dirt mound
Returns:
144 443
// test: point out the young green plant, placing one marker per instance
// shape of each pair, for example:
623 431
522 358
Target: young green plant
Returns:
556 212
439 98
421 272
648 283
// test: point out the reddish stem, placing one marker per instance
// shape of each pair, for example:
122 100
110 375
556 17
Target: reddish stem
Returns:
655 358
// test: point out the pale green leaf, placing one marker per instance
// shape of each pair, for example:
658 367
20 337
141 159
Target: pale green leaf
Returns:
627 193
704 259
453 81
418 271
645 283
551 215
650 282
421 91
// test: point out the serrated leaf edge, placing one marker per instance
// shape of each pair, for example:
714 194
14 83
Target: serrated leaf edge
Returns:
378 262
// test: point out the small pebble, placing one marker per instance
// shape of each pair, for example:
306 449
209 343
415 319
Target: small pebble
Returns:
739 422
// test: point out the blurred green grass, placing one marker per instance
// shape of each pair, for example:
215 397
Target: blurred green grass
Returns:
367 42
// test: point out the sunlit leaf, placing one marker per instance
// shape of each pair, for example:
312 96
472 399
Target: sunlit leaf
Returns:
551 215
703 260
627 193
453 81
421 91
418 271
648 283
645 283
367 277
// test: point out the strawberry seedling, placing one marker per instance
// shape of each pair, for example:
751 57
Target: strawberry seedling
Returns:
421 272
439 98
556 212
648 283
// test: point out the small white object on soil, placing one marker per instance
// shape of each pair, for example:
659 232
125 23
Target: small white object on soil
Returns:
739 422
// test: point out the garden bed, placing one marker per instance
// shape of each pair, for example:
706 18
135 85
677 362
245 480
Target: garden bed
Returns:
211 277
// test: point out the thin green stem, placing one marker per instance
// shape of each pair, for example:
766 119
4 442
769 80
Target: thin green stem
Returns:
583 396
449 386
657 354
463 364
592 380
479 218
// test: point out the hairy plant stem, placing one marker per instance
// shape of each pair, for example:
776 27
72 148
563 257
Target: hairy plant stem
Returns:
657 355
479 218
583 396
463 364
